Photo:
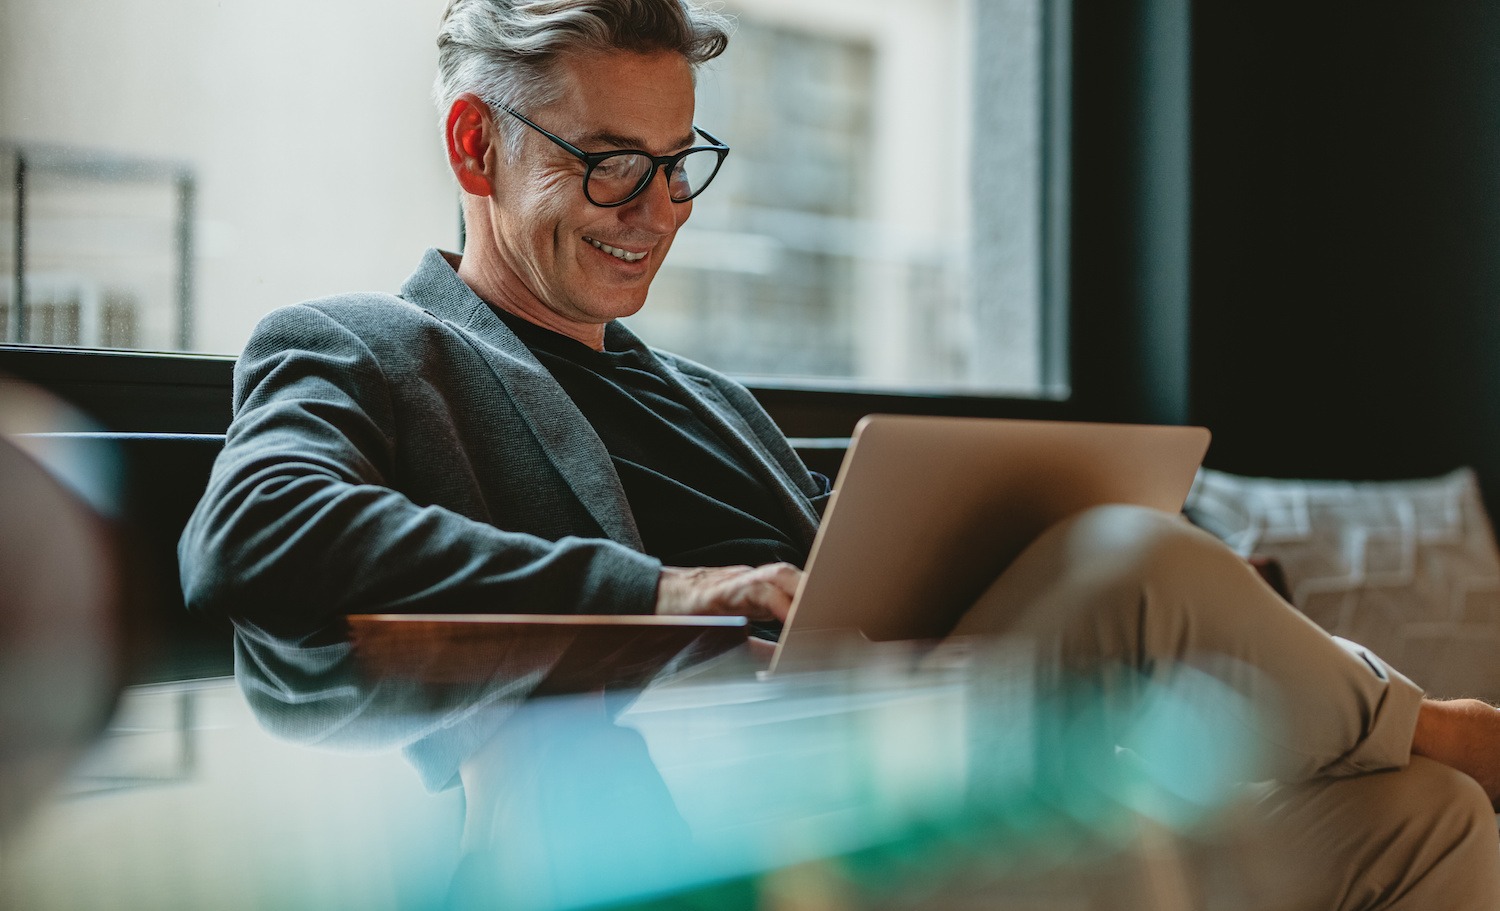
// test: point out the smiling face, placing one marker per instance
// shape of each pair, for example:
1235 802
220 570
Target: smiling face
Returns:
547 254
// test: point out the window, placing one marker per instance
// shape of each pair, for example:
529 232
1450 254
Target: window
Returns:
105 250
881 224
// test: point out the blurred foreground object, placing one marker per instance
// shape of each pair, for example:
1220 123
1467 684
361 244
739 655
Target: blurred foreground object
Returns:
63 597
893 783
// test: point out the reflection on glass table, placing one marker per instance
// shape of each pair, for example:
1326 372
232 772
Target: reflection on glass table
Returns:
906 780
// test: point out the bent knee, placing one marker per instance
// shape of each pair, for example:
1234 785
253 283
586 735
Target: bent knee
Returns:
1137 539
1120 523
1100 563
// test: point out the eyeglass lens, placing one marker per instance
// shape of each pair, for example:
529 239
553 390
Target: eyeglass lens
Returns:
618 177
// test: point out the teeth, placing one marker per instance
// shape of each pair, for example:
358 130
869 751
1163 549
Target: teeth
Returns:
616 252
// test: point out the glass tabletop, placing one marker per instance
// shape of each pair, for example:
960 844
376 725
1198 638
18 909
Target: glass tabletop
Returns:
898 782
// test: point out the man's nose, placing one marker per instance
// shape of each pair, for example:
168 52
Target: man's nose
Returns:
654 209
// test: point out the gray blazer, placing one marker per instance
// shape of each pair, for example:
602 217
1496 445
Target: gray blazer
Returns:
411 454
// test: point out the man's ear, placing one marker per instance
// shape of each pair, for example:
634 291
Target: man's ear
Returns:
470 135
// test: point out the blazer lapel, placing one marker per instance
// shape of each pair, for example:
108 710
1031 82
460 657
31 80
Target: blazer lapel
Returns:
566 437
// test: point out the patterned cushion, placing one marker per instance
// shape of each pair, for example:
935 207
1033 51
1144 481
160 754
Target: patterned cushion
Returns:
1408 568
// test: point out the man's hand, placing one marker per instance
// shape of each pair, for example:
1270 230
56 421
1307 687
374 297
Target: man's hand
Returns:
757 592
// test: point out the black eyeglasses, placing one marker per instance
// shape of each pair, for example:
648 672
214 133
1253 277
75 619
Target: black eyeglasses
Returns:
615 178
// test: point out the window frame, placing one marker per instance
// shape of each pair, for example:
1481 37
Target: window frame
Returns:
35 159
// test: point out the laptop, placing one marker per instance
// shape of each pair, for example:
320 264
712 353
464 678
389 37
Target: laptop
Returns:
928 511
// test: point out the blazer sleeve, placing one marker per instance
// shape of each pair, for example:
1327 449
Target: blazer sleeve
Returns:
300 524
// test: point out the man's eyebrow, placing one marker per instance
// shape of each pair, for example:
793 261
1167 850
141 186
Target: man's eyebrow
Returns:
593 141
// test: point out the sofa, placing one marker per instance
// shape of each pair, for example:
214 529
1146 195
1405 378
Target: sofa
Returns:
1408 568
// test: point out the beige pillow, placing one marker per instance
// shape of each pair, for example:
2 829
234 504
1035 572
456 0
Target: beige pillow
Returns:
1408 568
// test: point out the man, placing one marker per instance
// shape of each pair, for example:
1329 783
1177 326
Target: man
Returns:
494 440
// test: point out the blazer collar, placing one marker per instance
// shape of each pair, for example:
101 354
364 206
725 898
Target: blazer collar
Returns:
564 433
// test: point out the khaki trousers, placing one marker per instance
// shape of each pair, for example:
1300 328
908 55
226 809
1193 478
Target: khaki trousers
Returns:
1129 597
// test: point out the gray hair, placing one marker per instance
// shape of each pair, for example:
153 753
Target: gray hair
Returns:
504 50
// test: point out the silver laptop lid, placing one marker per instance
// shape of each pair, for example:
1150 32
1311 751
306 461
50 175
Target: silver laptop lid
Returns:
928 511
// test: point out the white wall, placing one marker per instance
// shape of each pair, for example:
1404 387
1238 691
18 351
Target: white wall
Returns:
316 150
